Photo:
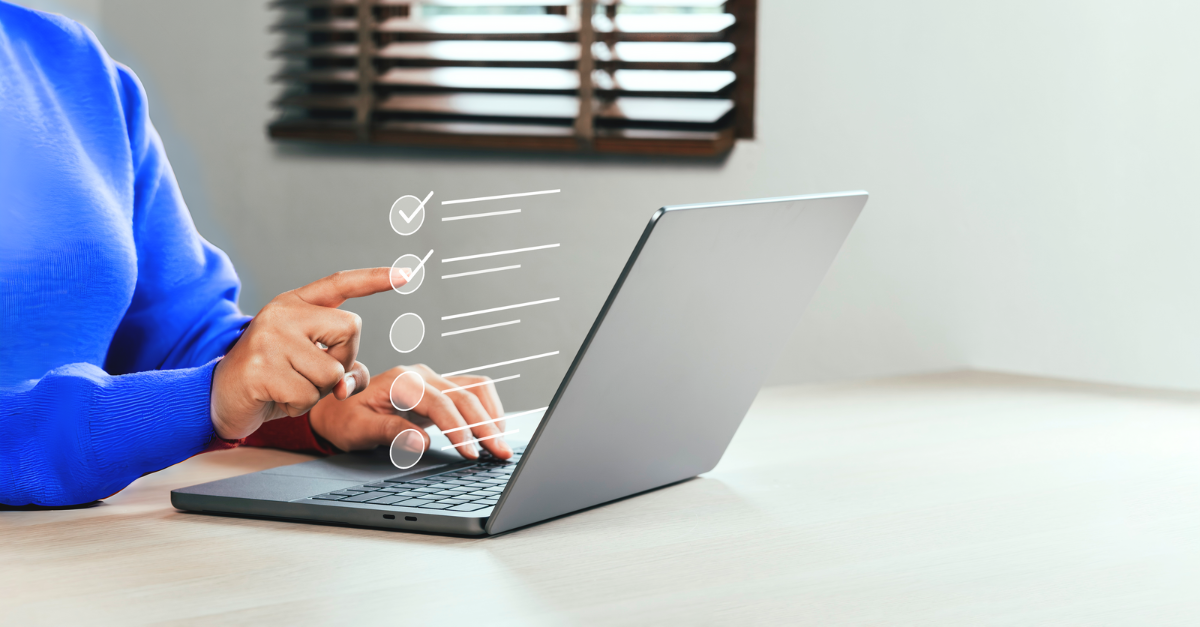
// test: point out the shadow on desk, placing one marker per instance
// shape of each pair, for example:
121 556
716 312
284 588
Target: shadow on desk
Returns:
45 508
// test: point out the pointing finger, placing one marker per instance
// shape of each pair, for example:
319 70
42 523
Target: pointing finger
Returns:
339 287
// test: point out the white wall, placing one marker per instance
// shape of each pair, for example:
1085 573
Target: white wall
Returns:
1028 161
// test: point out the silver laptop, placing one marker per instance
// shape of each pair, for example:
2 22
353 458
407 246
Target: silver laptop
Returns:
709 296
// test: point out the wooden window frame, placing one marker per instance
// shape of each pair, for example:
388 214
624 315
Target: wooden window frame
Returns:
341 53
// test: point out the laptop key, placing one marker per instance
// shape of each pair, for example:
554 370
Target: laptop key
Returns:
429 490
366 496
376 485
327 497
434 506
388 500
482 494
412 502
344 493
469 507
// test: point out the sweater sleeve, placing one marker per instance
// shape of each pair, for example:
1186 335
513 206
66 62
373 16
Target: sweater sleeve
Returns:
79 434
293 433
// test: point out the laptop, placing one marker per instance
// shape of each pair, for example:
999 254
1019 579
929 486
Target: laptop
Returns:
710 295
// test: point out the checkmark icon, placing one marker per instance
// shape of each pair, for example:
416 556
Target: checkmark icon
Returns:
408 218
408 214
409 275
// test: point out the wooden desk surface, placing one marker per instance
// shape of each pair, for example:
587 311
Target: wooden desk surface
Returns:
952 499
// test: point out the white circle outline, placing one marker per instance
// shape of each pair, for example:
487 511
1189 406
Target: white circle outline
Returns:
393 343
420 271
392 390
392 458
392 215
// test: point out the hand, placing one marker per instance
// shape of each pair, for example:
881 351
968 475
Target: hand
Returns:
278 367
369 419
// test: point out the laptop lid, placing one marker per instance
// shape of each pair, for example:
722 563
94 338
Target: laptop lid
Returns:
709 296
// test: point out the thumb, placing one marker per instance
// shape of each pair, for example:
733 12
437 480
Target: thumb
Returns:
352 382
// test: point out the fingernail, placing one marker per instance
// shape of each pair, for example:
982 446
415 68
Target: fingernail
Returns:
413 442
350 380
503 446
401 274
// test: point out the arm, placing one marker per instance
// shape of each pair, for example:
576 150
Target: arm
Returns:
184 310
79 434
78 145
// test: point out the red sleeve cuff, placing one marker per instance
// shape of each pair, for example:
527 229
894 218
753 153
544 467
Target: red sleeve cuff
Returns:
289 434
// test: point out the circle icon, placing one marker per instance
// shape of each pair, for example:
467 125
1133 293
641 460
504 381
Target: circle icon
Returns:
407 448
408 214
407 332
414 280
407 391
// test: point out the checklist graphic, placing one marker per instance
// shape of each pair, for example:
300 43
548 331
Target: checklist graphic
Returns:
467 268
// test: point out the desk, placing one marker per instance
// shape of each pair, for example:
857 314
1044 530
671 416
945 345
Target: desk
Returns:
952 499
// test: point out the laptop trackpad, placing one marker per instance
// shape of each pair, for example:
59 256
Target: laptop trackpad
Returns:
363 466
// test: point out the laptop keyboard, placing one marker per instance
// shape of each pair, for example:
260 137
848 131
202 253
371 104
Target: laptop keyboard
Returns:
462 490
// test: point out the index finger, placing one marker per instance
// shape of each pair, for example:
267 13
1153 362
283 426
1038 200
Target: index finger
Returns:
339 287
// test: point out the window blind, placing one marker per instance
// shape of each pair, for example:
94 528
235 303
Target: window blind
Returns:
665 77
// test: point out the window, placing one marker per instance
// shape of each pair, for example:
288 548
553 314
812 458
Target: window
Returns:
661 77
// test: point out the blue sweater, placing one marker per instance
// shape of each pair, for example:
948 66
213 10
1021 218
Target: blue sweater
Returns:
115 308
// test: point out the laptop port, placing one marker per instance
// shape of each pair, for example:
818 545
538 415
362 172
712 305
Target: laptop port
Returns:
389 516
411 518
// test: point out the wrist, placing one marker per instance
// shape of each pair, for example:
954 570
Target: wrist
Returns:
214 412
317 417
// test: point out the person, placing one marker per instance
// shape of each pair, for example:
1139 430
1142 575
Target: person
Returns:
124 351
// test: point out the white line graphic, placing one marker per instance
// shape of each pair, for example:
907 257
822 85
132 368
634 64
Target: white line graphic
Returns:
475 385
480 439
502 252
480 215
483 311
455 276
489 326
410 275
488 422
458 202
497 365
